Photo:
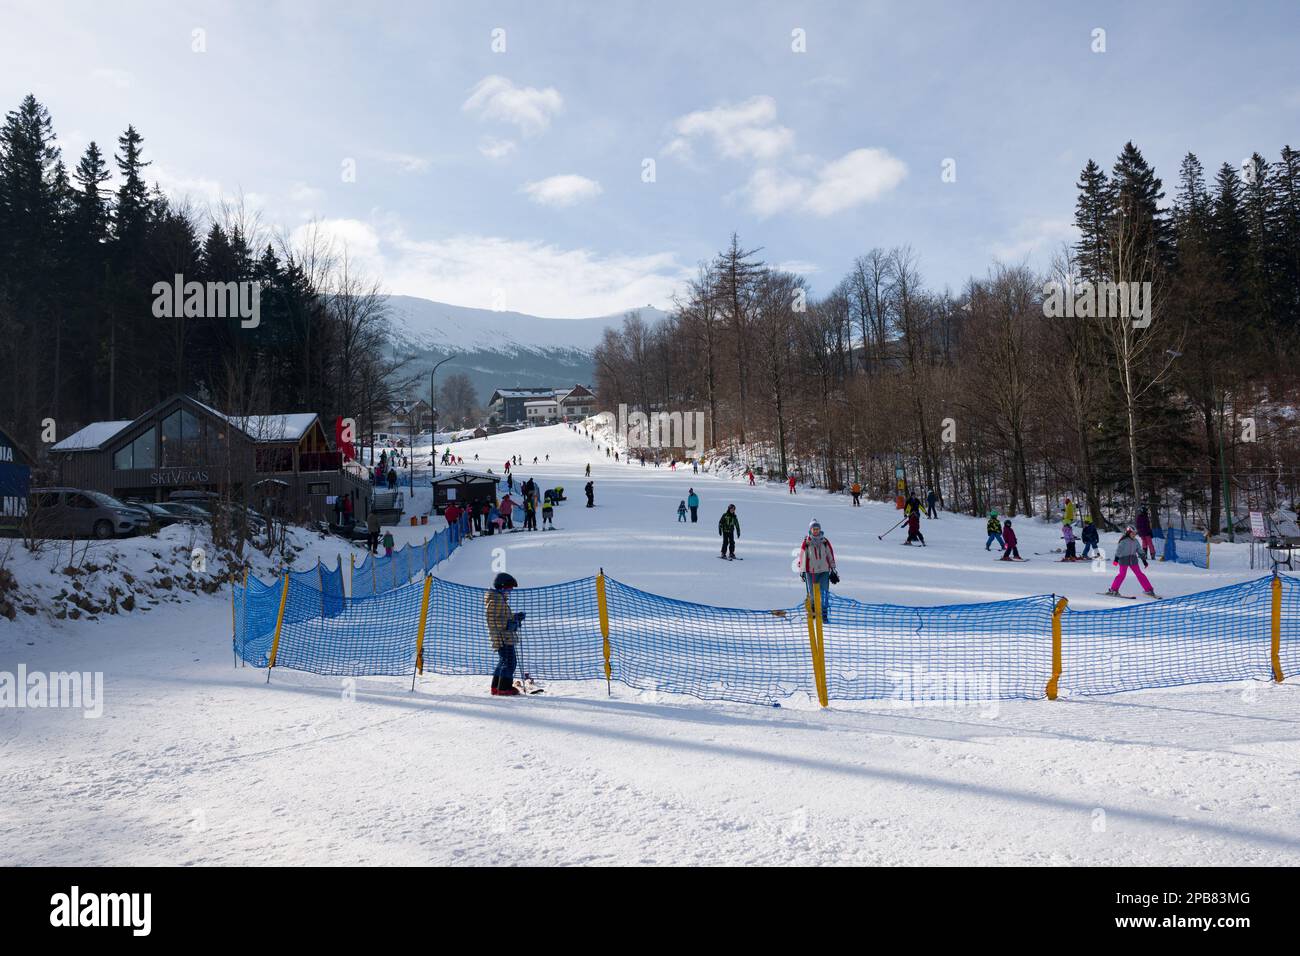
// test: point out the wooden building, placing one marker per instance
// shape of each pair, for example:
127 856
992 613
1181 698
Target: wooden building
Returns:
463 487
183 444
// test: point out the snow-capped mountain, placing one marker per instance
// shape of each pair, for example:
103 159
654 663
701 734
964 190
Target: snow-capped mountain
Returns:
499 349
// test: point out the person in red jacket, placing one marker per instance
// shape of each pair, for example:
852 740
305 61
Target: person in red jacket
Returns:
791 484
451 513
1009 539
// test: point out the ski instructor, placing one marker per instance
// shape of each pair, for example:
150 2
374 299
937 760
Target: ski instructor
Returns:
729 528
817 565
503 627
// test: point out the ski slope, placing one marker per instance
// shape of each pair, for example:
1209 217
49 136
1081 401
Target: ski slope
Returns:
196 761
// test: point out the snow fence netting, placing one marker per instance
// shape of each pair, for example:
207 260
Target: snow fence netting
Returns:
968 652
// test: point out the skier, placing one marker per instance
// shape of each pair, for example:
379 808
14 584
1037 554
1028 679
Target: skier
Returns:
914 526
790 480
388 544
817 565
451 513
507 513
751 477
693 502
695 466
530 513
1009 537
856 491
588 469
590 489
729 528
1069 511
503 627
1090 538
548 511
1143 530
681 512
1127 554
994 528
931 498
1067 532
510 482
392 479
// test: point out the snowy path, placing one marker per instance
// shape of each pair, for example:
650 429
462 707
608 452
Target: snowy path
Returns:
195 761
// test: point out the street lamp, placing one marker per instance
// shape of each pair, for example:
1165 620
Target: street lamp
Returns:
433 419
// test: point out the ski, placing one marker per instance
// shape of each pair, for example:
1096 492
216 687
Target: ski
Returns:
1127 597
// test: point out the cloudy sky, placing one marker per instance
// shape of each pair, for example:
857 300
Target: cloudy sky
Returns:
574 159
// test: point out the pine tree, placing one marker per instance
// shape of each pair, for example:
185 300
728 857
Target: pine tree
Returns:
1092 212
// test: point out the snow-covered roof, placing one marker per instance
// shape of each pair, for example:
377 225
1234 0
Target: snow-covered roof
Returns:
274 427
540 401
466 473
92 436
524 392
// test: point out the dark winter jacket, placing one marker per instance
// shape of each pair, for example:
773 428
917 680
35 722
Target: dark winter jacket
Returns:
994 526
1008 536
729 523
1143 525
1090 534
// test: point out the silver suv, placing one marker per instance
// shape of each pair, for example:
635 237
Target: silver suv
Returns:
74 513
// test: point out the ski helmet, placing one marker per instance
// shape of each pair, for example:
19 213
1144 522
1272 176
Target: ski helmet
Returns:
503 581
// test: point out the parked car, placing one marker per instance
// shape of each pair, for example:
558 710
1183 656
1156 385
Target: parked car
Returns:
184 512
74 513
210 501
159 515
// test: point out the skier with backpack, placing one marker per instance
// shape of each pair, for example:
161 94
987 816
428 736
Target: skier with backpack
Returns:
503 630
729 528
994 528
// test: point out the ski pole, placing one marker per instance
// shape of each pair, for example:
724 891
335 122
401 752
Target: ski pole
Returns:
881 537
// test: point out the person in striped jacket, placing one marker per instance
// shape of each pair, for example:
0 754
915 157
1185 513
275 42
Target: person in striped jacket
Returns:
817 565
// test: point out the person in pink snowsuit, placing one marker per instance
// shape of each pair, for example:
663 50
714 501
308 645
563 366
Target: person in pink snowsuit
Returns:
1127 554
792 484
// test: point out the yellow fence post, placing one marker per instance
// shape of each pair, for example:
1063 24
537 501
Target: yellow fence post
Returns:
602 607
820 652
419 637
279 622
1277 628
1056 648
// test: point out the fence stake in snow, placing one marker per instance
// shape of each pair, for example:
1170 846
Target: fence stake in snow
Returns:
1277 628
279 623
1056 648
604 627
419 637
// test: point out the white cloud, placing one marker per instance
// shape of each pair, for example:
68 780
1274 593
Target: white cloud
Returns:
179 186
860 176
535 277
112 76
406 162
1035 235
863 175
560 191
494 148
746 131
301 192
530 109
799 267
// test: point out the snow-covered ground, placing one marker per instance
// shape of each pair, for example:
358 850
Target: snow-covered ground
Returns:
198 761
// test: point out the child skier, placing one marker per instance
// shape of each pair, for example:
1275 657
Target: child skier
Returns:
502 626
1009 550
856 492
1090 538
994 528
729 528
1067 532
914 527
388 544
548 510
1127 554
681 512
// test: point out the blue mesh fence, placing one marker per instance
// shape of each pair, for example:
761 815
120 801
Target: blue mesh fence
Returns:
714 653
957 652
378 574
968 652
1192 549
1216 635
